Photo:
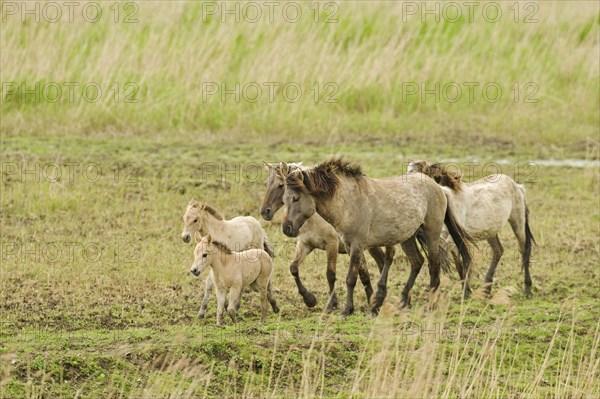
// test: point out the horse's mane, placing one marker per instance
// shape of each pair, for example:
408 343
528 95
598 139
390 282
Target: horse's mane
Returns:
203 206
444 176
323 179
221 246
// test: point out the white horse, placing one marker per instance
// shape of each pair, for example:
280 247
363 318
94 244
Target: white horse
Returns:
239 233
483 208
232 271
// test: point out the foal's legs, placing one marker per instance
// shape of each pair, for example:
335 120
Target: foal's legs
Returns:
332 253
377 301
220 306
235 294
517 223
416 261
497 252
356 257
207 288
302 251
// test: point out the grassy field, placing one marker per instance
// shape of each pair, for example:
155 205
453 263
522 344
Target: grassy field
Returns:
96 299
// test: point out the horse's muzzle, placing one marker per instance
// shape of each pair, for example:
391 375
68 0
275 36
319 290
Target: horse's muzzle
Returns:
266 214
186 238
289 230
195 272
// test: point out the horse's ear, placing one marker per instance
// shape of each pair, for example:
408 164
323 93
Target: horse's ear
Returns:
283 168
192 202
268 166
208 239
197 237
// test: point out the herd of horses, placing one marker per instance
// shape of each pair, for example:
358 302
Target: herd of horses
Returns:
334 206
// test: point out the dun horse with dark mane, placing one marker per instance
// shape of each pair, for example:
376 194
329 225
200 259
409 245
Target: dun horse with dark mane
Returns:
369 212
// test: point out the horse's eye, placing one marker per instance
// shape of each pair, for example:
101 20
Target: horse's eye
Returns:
295 198
204 255
195 220
280 184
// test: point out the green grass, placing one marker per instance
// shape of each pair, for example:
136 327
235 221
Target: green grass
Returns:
370 58
96 299
123 324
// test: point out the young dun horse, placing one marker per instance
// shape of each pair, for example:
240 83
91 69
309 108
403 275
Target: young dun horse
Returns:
370 212
483 208
242 232
232 271
316 233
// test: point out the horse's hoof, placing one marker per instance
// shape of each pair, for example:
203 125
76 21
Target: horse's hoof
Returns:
275 309
331 306
201 315
310 300
405 304
527 292
375 310
347 312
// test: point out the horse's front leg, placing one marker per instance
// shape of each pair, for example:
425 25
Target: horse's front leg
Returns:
377 301
302 251
221 296
332 253
356 257
235 294
207 288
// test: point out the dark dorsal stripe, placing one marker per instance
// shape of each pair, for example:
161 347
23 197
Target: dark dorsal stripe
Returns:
222 247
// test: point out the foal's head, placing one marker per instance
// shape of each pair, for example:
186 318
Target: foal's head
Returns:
203 254
193 219
205 251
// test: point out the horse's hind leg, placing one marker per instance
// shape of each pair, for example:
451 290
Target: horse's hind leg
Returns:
381 293
497 252
365 278
271 299
416 261
518 224
302 251
264 303
207 288
332 253
379 257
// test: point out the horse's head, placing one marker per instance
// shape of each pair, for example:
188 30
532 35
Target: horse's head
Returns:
202 254
300 204
193 220
275 188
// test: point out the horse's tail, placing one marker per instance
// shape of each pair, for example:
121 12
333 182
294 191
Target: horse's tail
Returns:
459 236
445 264
529 240
268 246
